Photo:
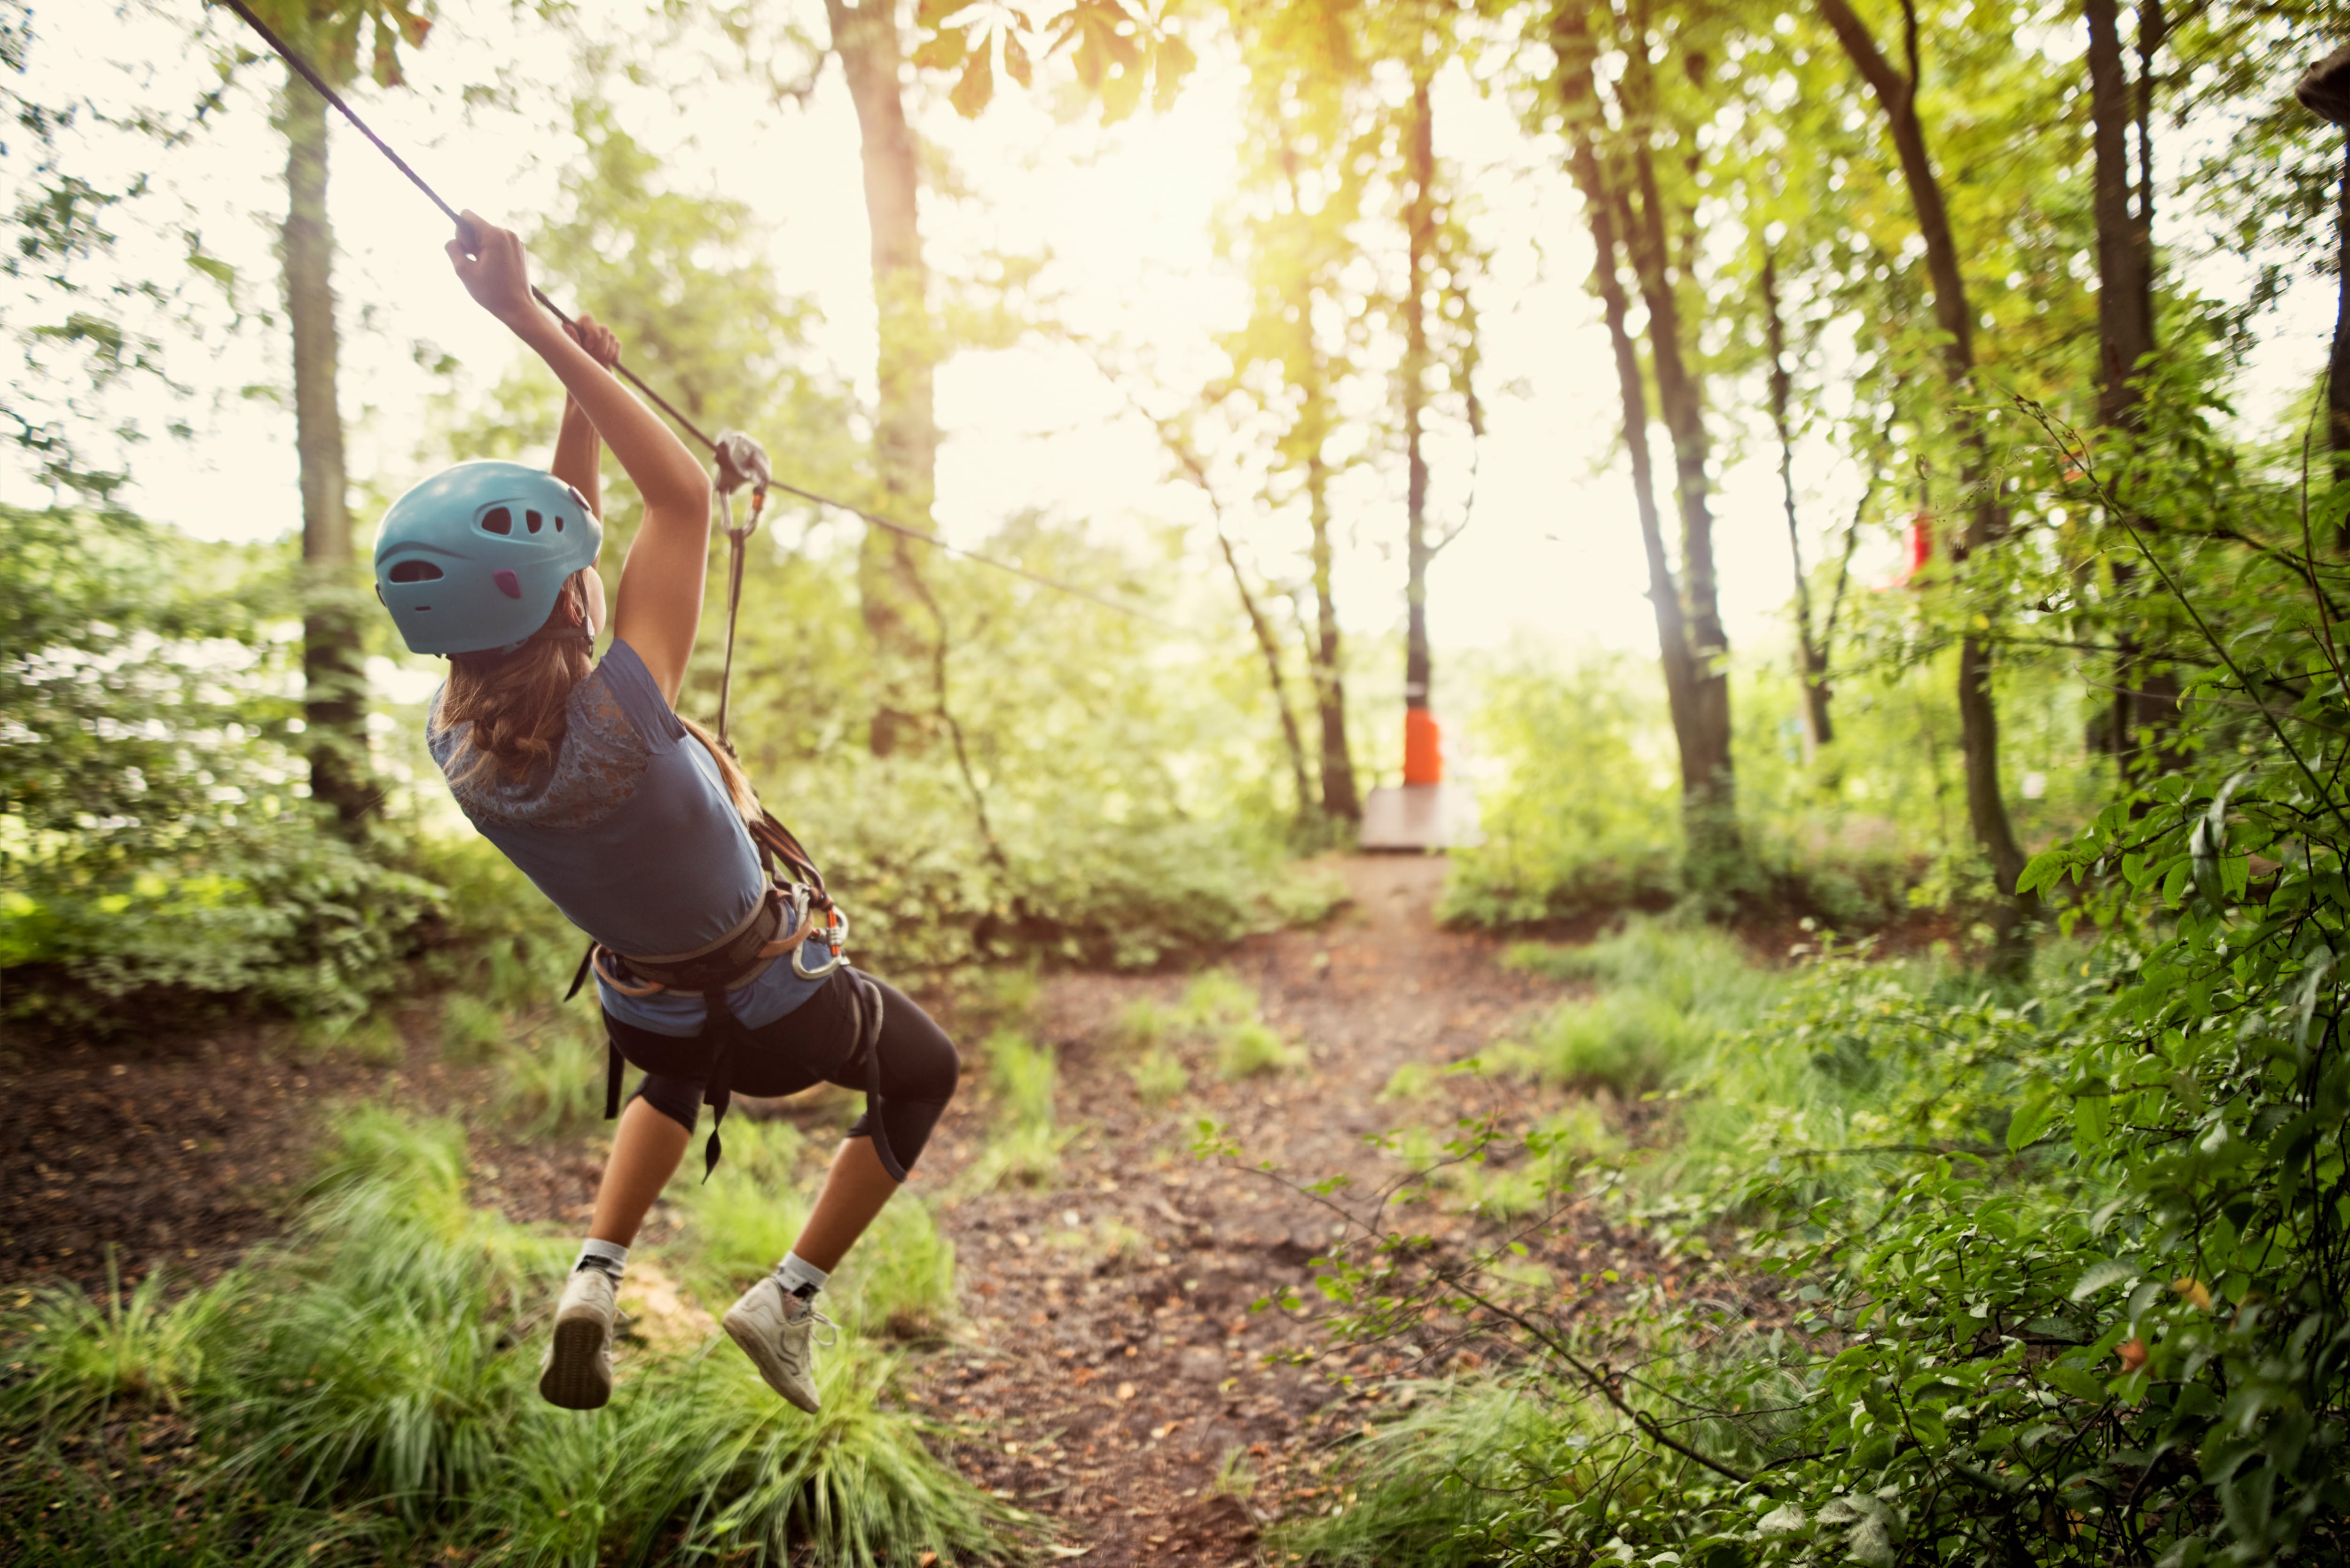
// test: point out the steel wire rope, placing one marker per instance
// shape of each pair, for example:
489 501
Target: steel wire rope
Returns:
304 69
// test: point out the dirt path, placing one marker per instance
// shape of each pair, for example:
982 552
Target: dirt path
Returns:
1101 1385
1108 1393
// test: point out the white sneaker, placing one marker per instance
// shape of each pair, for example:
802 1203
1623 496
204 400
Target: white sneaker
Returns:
777 1331
579 1371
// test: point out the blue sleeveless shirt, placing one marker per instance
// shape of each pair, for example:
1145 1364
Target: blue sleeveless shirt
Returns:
629 830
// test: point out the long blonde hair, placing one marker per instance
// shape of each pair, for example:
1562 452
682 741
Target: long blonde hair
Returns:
518 703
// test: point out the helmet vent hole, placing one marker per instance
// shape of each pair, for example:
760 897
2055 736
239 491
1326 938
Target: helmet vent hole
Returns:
533 521
414 572
497 520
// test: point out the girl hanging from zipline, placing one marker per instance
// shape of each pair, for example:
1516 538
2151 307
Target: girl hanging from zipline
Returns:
715 977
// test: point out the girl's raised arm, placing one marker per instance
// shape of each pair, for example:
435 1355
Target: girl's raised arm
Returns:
659 602
578 451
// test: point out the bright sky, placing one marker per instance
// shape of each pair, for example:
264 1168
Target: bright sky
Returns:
1553 552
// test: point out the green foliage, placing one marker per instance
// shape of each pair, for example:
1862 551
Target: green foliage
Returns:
2064 1258
1024 1146
1585 816
1216 1000
897 1284
1496 1438
472 1030
1669 992
157 851
372 1383
1252 1048
1159 1077
550 1082
86 1356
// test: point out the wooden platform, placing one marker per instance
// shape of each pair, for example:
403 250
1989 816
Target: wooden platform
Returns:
1421 817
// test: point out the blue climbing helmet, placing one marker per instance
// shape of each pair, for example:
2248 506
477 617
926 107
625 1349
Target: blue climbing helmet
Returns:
471 560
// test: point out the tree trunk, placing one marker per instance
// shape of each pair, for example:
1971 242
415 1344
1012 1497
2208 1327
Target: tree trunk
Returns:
1811 654
1571 44
2337 365
1270 647
333 675
905 426
2125 273
1340 803
1419 232
2147 699
1987 522
1713 813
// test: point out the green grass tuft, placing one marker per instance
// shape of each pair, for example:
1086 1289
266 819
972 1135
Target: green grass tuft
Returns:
1253 1048
1217 999
365 1392
1159 1078
549 1084
1024 1146
471 1030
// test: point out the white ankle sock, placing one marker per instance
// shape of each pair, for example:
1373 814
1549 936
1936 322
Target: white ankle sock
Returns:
608 1256
799 1277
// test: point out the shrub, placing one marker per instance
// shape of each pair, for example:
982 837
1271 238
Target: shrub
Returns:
1584 816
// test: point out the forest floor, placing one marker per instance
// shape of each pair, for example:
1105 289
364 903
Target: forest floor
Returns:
1107 1389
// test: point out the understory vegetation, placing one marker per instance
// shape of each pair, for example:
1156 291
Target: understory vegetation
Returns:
1934 1267
366 1390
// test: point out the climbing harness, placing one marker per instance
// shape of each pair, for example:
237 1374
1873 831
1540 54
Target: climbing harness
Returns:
795 909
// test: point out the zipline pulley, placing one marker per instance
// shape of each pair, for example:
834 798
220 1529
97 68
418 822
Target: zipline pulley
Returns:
741 461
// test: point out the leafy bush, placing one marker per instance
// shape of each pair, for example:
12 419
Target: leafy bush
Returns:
898 1282
157 849
1583 816
472 1030
549 1083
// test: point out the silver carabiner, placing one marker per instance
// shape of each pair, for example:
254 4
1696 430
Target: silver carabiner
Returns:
836 937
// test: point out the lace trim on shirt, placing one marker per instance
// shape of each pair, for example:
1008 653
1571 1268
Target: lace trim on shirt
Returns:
594 773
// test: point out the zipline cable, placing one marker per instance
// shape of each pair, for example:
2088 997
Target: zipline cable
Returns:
302 68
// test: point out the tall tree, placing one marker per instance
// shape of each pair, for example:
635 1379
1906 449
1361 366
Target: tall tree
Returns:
1439 332
1811 641
1311 139
1419 246
334 701
1608 159
1897 94
1114 49
2146 696
905 422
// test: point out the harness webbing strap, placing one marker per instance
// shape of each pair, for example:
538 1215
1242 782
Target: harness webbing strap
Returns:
867 1011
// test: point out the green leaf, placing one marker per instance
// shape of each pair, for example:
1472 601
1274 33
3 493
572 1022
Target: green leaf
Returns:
2042 870
2103 1275
2035 1116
